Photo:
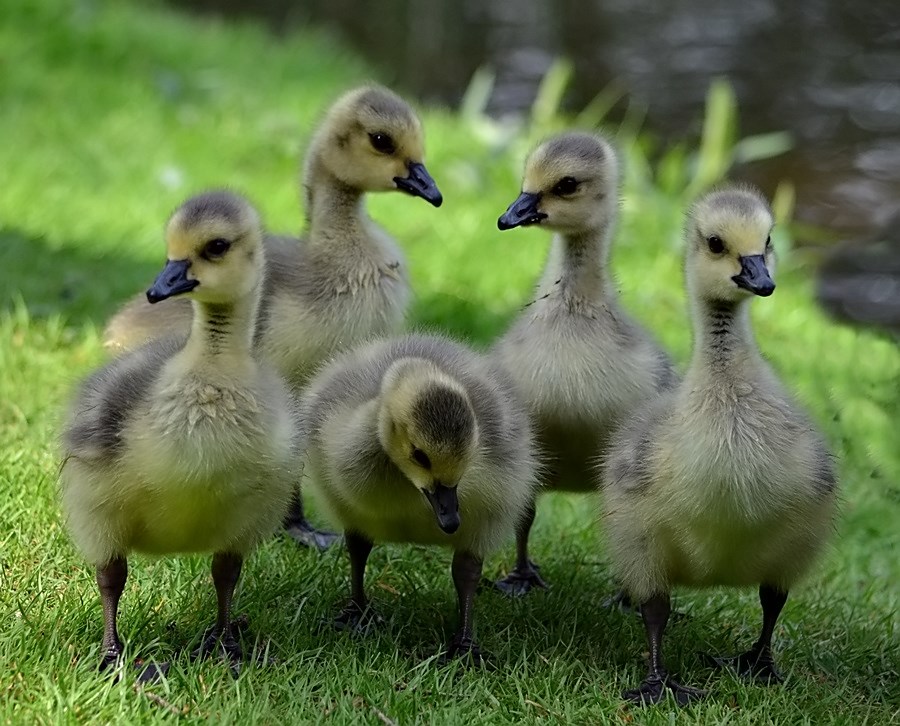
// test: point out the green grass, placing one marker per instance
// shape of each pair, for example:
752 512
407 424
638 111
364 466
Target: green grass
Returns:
109 116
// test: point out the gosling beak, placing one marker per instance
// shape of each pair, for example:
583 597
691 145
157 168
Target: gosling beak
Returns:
420 184
521 212
444 502
173 280
754 276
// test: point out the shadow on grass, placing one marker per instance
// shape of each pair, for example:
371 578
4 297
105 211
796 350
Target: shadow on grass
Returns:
817 644
70 281
825 649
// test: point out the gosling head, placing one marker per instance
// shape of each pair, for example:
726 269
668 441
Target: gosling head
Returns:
427 427
570 185
372 140
729 246
214 250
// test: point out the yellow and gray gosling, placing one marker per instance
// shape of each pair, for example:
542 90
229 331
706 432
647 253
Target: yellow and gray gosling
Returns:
346 281
419 439
723 481
186 444
580 361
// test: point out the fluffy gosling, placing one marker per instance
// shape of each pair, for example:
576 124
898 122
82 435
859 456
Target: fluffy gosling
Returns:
581 362
419 439
723 481
186 444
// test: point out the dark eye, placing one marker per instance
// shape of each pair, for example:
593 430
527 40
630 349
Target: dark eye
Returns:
716 245
565 186
769 242
216 248
382 142
421 458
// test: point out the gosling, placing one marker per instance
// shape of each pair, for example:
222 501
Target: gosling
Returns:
346 281
419 439
186 444
723 481
580 361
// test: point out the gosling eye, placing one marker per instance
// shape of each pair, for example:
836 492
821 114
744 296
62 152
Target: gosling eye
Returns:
565 186
421 458
215 248
716 245
769 242
382 142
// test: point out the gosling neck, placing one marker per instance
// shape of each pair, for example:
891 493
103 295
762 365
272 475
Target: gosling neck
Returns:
223 329
334 210
723 337
577 268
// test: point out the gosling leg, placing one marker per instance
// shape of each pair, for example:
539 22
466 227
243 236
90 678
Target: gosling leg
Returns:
525 575
356 615
466 571
301 531
111 579
226 570
758 664
655 613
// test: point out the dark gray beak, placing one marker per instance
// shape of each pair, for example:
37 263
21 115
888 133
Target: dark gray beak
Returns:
445 504
173 280
754 276
521 212
420 184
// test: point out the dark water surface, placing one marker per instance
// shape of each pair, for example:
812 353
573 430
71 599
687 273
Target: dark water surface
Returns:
828 71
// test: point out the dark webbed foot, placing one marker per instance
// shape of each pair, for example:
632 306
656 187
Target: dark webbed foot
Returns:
304 534
220 645
622 601
755 665
521 580
464 649
301 531
148 672
655 689
151 672
357 619
227 647
112 658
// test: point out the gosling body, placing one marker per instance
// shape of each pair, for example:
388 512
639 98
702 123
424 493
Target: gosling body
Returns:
163 458
185 444
345 281
419 439
581 362
724 480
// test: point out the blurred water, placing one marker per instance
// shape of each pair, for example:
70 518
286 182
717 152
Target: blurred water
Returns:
828 71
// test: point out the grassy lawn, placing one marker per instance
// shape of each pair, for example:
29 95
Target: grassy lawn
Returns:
109 116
